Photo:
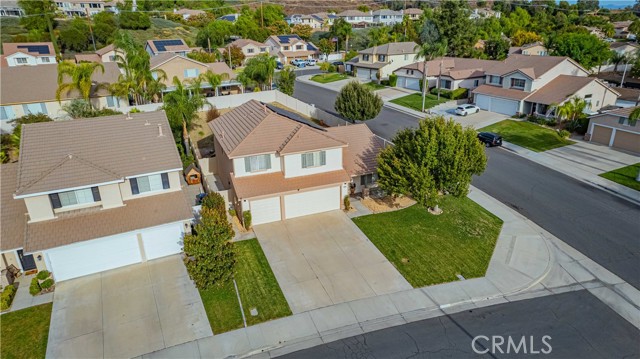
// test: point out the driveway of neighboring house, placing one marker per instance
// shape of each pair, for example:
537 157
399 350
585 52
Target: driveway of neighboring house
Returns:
126 312
325 259
476 120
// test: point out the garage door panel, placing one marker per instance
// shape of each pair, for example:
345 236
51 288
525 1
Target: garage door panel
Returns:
163 241
412 84
363 73
627 141
265 210
601 135
483 102
311 202
499 105
88 257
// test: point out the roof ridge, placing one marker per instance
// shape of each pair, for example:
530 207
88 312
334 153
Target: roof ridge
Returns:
290 137
268 114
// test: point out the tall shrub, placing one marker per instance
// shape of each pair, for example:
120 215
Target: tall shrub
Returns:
357 102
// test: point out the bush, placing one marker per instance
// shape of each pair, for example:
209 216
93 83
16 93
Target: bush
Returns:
393 80
564 133
232 212
385 83
42 275
347 203
34 288
578 126
324 66
212 114
213 201
246 219
452 95
6 298
47 284
332 68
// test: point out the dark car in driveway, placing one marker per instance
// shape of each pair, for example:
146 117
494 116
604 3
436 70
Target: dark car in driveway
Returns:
490 139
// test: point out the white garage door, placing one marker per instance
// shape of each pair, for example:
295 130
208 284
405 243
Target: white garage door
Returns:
305 203
503 106
265 210
409 83
363 73
79 259
162 241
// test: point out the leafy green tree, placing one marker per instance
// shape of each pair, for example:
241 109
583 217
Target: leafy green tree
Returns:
587 5
617 58
357 102
439 157
78 77
454 25
209 253
341 29
104 26
522 37
586 49
182 106
363 8
260 69
79 108
286 81
326 46
496 49
378 36
213 79
302 30
134 20
39 14
247 27
634 28
571 110
214 35
74 36
233 56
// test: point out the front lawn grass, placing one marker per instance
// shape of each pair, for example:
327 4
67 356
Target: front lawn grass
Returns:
258 289
374 86
528 135
25 332
429 249
414 101
329 77
625 176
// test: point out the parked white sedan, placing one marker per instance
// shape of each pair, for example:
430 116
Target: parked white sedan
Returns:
466 110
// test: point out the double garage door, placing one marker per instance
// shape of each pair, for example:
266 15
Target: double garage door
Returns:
295 205
409 83
365 74
624 140
499 105
88 257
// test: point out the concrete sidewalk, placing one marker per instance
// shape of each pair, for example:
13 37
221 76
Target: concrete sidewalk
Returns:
527 262
584 161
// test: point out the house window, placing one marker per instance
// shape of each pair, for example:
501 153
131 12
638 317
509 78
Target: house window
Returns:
476 83
286 48
6 113
45 59
368 179
263 49
445 84
314 159
518 83
155 75
249 51
34 108
495 80
150 183
257 163
298 47
381 58
113 101
587 100
112 58
74 198
21 60
365 57
191 73
406 57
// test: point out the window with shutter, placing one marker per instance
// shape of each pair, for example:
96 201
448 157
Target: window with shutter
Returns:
96 194
165 180
55 201
134 186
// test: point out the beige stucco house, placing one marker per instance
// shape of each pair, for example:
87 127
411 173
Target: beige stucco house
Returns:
94 194
613 129
280 167
383 59
28 53
290 47
454 73
250 48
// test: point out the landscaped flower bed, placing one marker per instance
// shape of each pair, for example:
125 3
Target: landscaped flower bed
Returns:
42 283
6 298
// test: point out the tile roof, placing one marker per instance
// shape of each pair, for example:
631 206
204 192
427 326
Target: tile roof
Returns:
532 66
501 92
628 94
159 59
31 48
275 183
88 58
622 112
105 49
560 89
244 42
353 13
387 12
252 129
140 213
39 83
454 67
413 11
221 68
12 211
392 48
361 155
618 44
84 152
189 12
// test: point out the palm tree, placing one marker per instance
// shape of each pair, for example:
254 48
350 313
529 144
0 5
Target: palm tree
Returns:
617 59
244 80
261 69
571 110
214 80
80 78
182 106
427 52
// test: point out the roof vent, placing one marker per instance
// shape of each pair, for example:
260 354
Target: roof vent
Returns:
160 134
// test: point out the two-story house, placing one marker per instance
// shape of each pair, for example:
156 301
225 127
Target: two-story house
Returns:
325 18
175 46
621 29
357 18
33 91
535 84
94 194
300 19
28 53
614 129
73 8
290 47
413 13
383 59
279 167
186 69
106 54
250 48
11 8
386 17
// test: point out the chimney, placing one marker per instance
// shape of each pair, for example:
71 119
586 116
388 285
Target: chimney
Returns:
160 134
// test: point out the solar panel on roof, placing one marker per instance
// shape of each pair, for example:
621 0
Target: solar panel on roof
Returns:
284 39
311 47
293 116
161 45
40 49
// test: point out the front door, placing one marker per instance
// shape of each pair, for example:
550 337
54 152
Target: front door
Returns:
27 261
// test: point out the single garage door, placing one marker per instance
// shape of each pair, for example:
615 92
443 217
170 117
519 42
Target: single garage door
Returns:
627 141
363 73
410 83
162 241
265 210
601 135
84 258
306 203
503 106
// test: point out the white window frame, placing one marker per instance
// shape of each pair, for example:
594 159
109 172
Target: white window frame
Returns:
45 59
190 73
149 184
21 60
313 159
75 198
513 83
258 163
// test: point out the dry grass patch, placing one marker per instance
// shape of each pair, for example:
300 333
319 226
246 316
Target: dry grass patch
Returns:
387 203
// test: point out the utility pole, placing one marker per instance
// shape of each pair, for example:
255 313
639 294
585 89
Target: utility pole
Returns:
93 40
261 15
403 15
623 74
134 5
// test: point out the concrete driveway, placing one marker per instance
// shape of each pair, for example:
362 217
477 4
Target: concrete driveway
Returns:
325 259
126 312
476 120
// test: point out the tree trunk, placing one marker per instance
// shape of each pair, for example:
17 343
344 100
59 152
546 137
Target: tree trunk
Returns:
425 84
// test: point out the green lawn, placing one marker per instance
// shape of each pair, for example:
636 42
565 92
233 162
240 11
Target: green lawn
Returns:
25 332
329 77
374 86
625 176
414 101
258 289
528 135
430 249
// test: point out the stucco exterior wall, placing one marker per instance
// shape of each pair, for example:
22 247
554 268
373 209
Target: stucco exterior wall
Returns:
125 187
110 196
177 66
240 171
39 208
506 81
31 60
293 164
612 121
564 68
397 61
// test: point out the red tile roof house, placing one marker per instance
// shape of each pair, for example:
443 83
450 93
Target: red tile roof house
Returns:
279 168
93 194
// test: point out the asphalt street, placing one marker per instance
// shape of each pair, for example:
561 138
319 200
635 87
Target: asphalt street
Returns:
578 324
601 226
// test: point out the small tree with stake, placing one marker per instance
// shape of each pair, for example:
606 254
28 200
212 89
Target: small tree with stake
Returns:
357 102
437 158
